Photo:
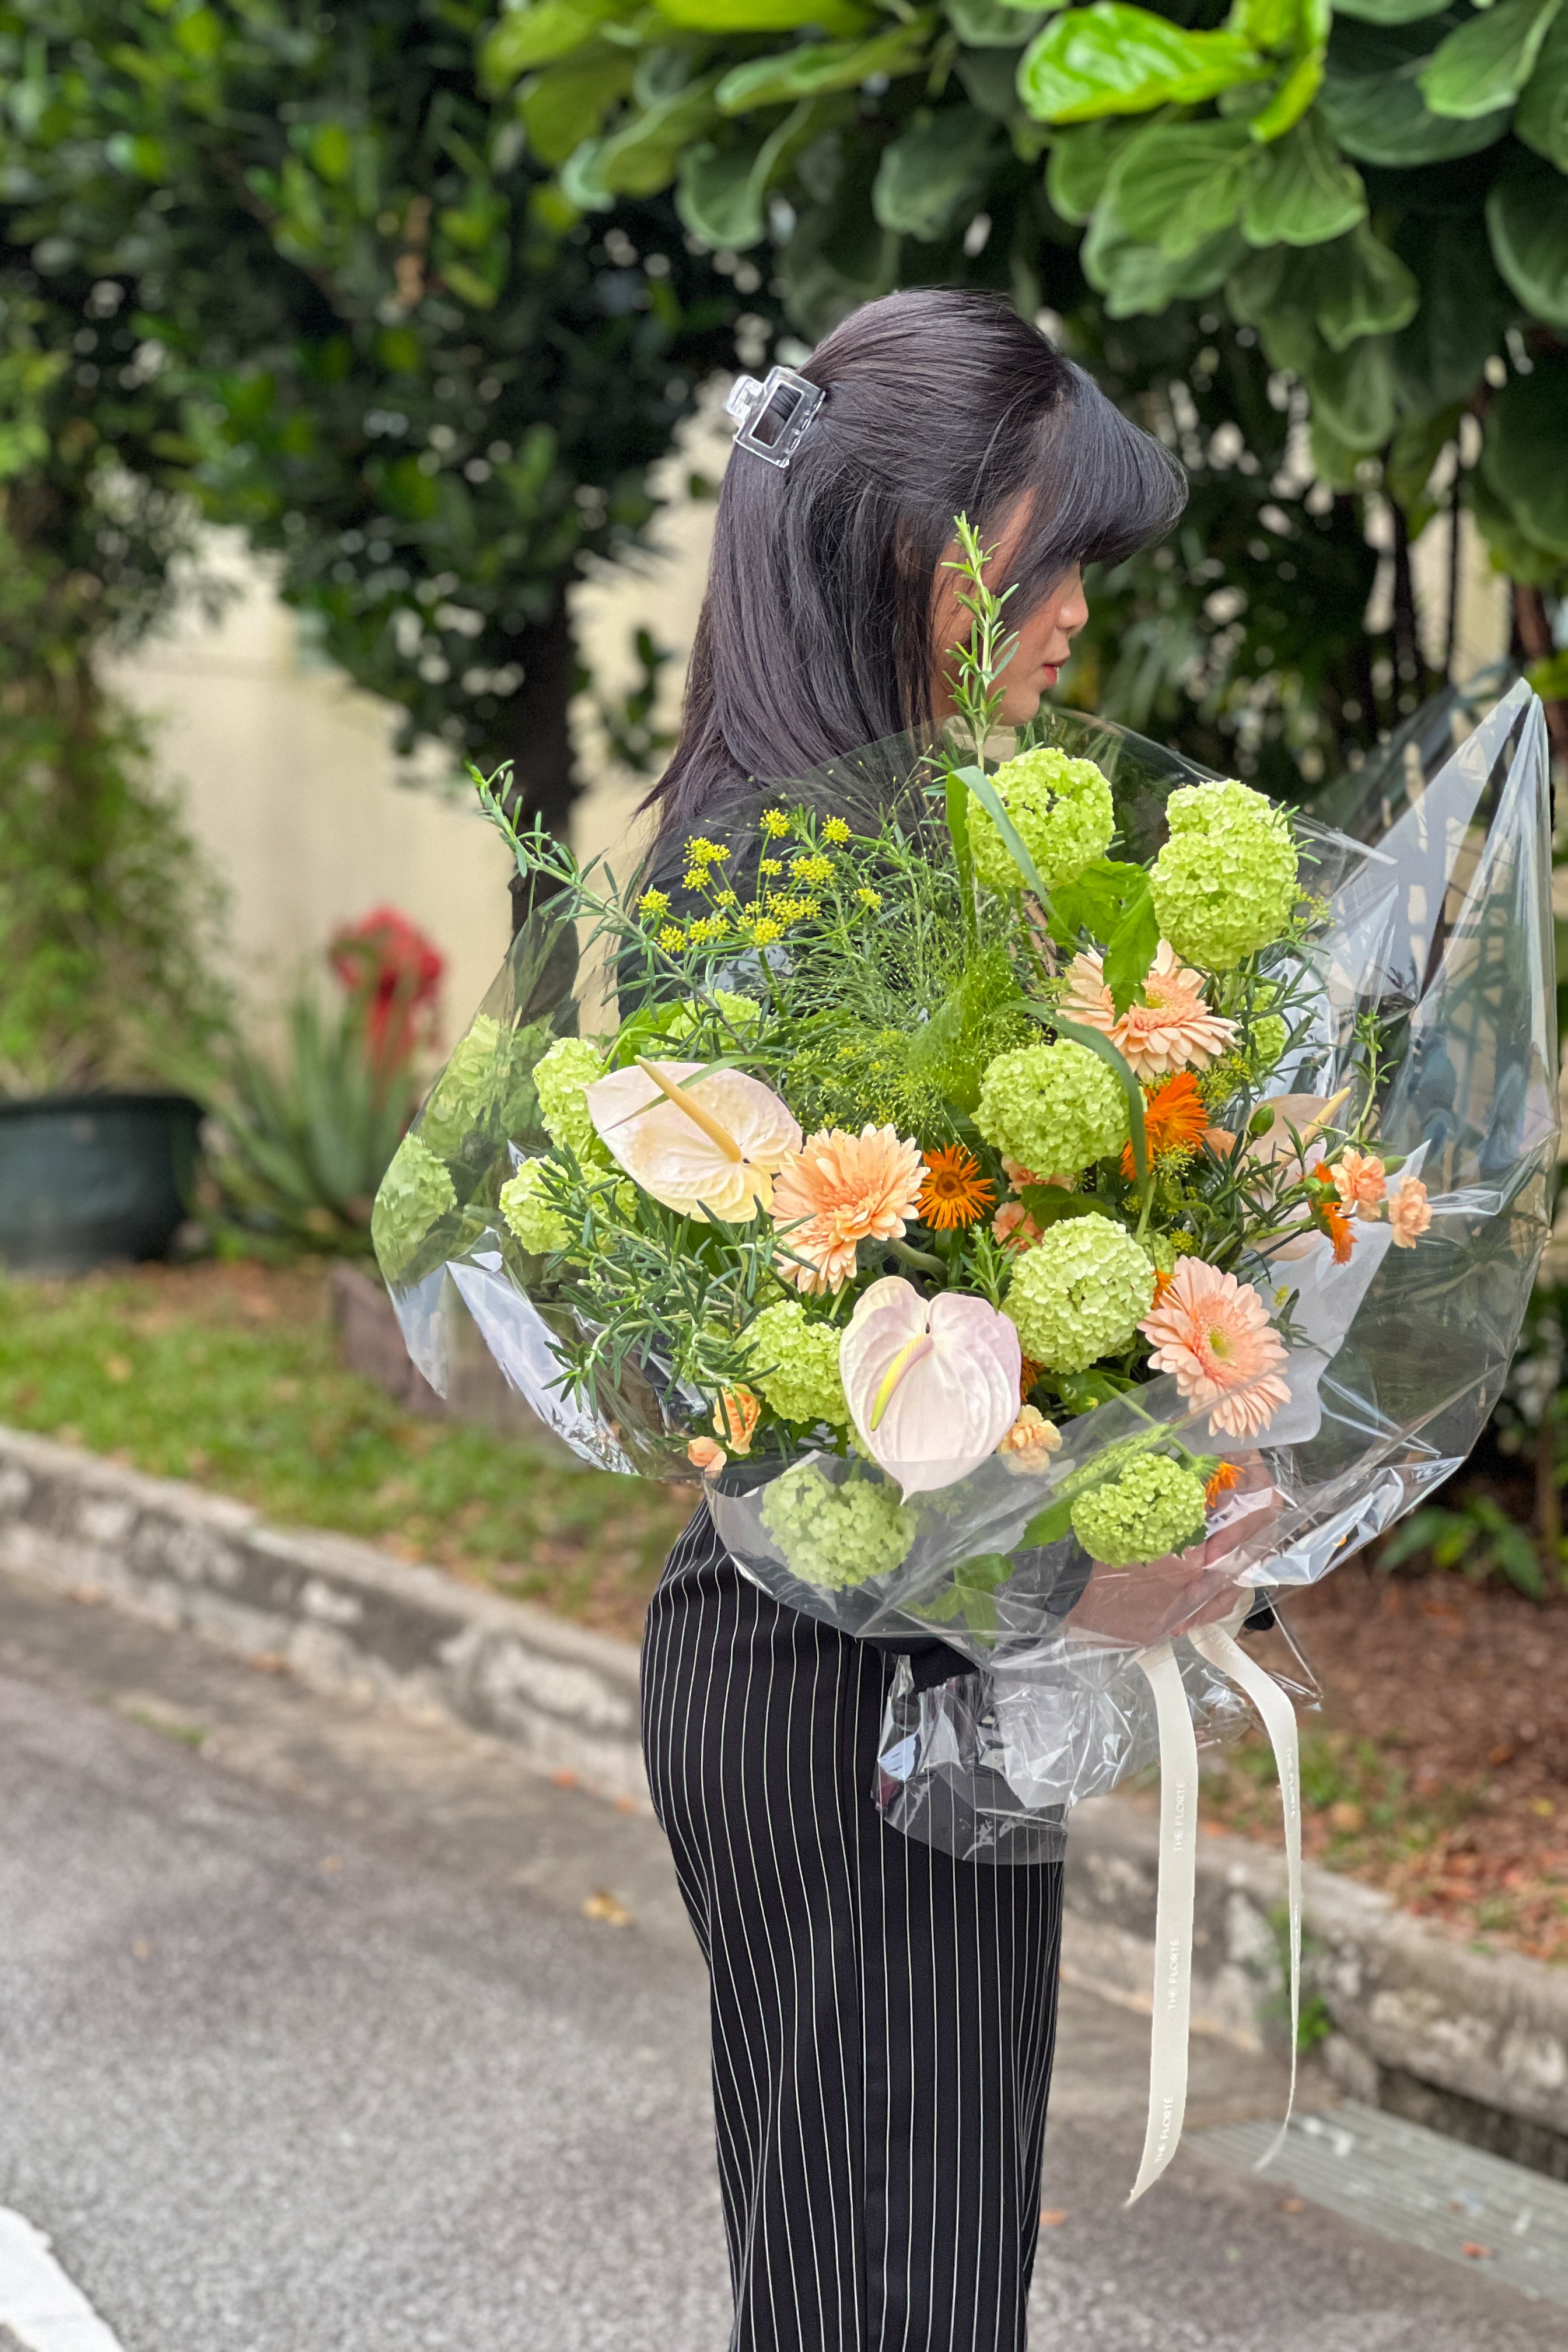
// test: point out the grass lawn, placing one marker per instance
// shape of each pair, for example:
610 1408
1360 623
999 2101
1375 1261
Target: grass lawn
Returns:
226 1374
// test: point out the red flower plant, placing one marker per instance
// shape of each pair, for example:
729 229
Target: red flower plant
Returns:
394 971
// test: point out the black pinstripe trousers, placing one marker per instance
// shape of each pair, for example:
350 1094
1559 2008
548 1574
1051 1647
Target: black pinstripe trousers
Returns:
883 2017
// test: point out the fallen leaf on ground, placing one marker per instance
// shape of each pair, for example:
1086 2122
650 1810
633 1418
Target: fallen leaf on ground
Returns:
604 1906
1052 2216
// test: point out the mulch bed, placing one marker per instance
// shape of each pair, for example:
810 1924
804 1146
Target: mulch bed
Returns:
1438 1767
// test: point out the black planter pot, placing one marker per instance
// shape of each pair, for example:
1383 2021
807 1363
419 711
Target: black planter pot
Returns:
84 1178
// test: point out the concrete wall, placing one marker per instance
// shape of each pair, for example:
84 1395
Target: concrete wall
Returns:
293 791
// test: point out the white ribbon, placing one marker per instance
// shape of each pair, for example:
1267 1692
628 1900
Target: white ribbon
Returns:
1175 1900
1279 1722
1173 1906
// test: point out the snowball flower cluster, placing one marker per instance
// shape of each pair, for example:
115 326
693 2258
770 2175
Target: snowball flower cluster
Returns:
1061 809
1079 1293
1154 1507
836 1536
466 1086
804 1384
742 1013
526 1205
561 1075
1052 1106
1225 882
414 1191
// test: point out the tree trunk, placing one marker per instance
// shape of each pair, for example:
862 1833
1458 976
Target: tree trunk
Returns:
539 743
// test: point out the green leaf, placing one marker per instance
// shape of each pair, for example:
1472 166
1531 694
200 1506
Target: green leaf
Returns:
990 800
1541 120
1354 391
1112 59
567 103
723 192
1486 62
1139 280
1391 11
1292 98
1047 1527
526 37
764 15
1303 191
1441 356
1176 185
1123 1070
1363 288
814 67
1080 163
1134 946
1527 215
642 157
1094 903
1521 456
1372 100
1048 1204
931 170
996 24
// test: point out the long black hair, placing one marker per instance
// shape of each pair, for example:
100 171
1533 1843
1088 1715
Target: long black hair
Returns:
816 633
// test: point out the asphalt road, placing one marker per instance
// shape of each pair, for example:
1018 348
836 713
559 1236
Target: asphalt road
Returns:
308 2044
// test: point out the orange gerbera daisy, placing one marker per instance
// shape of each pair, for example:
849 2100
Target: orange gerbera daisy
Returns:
1225 1477
837 1191
1175 1117
956 1191
1336 1224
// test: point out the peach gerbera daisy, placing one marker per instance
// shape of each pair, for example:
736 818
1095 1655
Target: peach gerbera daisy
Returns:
1176 1118
1409 1213
837 1191
1174 1030
1359 1179
1215 1335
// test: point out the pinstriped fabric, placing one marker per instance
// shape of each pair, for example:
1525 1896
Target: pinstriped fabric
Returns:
883 2017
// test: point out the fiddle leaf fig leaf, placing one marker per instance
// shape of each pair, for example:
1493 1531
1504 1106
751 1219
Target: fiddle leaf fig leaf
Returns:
1363 289
1080 163
1391 11
1176 185
1521 457
527 37
1527 215
930 168
1112 59
816 66
1303 191
1541 120
1486 62
568 101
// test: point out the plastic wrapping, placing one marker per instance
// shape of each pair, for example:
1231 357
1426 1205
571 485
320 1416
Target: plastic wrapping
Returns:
1433 914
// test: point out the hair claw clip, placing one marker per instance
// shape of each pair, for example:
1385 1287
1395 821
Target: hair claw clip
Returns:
773 417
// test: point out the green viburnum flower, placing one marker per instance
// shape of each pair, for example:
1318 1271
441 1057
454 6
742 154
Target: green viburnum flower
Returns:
803 1385
1056 1109
837 1535
1079 1293
1063 813
740 1011
526 1205
570 1064
464 1094
415 1191
1269 1038
1155 1506
1161 1252
1225 882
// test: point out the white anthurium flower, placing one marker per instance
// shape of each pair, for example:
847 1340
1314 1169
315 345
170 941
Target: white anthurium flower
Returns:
696 1143
932 1383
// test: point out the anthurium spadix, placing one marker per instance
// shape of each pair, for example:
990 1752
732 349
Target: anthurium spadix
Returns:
694 1142
932 1383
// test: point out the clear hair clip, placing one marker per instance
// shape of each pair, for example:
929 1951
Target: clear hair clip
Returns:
773 417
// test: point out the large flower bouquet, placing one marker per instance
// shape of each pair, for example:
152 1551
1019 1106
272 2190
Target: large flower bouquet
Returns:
1044 1198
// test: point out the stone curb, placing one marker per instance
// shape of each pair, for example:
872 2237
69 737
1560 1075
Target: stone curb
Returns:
345 1616
1474 2045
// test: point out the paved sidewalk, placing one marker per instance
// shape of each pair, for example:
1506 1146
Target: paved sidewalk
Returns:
309 2046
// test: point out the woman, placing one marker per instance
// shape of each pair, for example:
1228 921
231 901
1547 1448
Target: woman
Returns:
883 2016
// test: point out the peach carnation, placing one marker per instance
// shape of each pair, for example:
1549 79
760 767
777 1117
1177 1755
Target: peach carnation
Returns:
1013 1223
1173 1031
735 1418
1215 1335
1409 1213
837 1191
1031 1441
1359 1180
705 1453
